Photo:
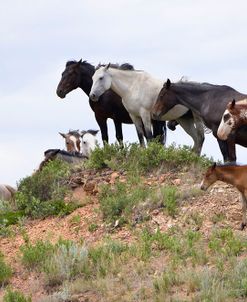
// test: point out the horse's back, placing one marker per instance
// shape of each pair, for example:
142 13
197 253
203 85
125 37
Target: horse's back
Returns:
6 192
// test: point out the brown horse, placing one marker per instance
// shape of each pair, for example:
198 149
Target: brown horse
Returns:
79 75
231 174
72 140
234 117
206 101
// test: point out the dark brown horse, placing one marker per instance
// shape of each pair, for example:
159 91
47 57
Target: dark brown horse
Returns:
208 102
79 74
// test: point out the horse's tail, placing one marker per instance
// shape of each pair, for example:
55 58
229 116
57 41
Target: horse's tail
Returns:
11 190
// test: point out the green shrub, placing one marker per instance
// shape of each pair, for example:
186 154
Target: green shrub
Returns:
42 194
117 202
34 255
15 296
5 271
132 157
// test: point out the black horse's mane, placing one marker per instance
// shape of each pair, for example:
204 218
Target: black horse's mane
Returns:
192 85
82 64
124 66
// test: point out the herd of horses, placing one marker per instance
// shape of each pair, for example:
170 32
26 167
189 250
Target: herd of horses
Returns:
127 96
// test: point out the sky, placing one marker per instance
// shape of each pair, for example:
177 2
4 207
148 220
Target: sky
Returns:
202 40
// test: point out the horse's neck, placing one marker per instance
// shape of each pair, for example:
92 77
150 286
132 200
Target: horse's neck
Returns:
226 174
134 82
243 116
121 81
86 81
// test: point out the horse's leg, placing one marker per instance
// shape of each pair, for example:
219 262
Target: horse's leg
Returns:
103 129
119 132
146 120
244 206
197 133
159 131
139 128
224 149
231 148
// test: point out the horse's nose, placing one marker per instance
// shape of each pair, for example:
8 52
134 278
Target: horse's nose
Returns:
60 93
93 97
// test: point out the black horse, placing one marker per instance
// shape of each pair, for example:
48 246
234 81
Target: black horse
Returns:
209 102
79 74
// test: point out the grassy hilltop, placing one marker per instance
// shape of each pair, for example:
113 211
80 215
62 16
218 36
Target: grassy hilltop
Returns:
131 224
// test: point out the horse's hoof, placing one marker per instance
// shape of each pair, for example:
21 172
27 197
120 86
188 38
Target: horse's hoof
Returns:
172 125
243 225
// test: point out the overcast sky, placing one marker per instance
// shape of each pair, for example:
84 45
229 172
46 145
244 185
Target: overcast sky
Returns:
203 40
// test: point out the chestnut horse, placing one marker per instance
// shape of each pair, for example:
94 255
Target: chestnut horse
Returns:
231 174
79 75
233 117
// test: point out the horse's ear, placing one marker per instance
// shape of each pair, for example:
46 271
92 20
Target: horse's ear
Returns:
82 132
93 132
233 104
62 134
168 84
107 66
79 63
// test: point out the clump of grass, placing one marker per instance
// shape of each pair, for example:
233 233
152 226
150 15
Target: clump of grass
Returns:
133 158
67 261
104 258
42 194
117 202
34 255
223 241
165 282
5 271
15 296
170 199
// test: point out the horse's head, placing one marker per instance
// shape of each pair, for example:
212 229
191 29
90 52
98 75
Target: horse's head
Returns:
101 82
89 141
72 140
165 101
209 178
228 121
70 80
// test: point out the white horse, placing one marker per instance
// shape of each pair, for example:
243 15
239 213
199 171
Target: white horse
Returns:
89 142
139 92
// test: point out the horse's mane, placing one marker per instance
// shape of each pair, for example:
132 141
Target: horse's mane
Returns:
63 152
124 66
198 85
83 63
74 132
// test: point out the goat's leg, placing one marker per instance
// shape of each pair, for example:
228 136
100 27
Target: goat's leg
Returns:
243 197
